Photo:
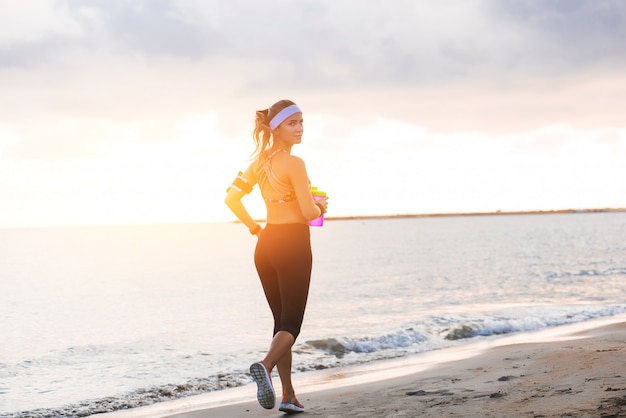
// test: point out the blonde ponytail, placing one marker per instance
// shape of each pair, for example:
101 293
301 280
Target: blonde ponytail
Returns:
262 133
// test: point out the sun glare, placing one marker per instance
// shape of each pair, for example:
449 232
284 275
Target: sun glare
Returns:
176 171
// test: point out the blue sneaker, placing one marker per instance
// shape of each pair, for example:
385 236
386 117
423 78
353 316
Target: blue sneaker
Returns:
265 390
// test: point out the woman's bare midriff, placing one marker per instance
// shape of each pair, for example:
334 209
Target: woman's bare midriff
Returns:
284 213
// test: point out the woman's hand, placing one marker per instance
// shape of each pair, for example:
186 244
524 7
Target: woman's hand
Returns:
256 230
323 201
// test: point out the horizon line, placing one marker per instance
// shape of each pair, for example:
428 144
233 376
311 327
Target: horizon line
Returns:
350 217
496 213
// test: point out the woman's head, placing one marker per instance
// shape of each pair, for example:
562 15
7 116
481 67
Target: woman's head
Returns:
268 120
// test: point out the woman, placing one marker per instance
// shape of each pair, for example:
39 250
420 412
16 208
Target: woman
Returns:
283 253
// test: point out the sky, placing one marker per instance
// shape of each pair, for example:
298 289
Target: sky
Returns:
139 112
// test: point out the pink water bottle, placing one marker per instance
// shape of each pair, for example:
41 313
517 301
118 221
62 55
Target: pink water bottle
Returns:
317 195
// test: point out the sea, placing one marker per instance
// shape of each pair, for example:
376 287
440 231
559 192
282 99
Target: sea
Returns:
100 319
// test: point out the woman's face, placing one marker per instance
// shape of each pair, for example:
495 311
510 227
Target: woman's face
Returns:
291 130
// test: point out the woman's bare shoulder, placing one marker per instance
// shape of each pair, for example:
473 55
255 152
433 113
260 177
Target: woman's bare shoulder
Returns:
294 160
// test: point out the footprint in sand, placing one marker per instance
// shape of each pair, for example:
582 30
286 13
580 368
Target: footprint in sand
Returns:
424 393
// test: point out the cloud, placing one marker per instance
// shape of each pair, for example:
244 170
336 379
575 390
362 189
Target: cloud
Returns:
569 35
478 65
332 44
33 20
151 27
31 31
343 44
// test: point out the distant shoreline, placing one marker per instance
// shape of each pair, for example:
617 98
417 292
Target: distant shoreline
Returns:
454 214
351 217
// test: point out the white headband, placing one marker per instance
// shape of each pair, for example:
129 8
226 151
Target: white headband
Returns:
282 115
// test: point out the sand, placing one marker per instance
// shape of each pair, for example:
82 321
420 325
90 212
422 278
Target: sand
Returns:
571 371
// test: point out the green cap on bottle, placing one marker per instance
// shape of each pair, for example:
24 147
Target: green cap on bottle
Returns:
316 192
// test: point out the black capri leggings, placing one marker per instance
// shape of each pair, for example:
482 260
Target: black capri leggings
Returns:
283 260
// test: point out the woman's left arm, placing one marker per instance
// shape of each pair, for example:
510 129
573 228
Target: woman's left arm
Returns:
301 186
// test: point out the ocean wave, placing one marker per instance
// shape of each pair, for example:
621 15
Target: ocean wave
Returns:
613 271
531 320
425 334
137 398
338 348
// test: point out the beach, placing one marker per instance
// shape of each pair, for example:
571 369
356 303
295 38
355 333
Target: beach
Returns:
397 306
571 371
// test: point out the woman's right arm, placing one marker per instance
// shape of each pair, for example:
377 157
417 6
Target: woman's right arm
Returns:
234 203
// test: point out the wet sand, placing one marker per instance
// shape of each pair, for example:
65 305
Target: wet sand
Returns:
570 371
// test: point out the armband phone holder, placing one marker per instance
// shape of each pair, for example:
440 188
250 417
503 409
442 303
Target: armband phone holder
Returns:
240 184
